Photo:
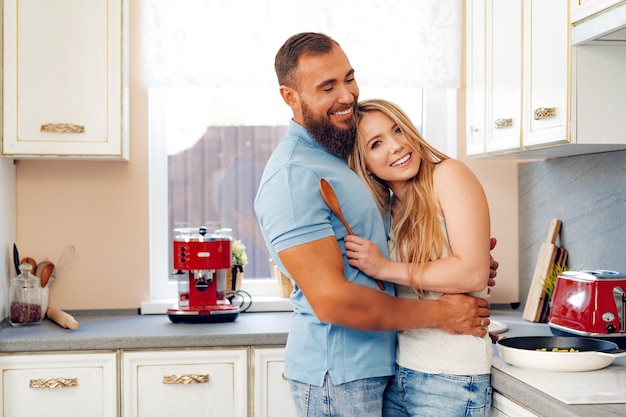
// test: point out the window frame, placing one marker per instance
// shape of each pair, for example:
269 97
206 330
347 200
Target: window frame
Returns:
439 128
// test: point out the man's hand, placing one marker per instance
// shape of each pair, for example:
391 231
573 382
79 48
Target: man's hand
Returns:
463 314
493 265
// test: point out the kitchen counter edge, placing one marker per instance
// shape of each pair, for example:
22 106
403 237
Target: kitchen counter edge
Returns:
127 330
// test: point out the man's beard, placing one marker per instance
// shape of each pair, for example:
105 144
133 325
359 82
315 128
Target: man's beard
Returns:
337 141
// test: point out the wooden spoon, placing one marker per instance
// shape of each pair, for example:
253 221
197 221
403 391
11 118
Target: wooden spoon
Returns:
331 200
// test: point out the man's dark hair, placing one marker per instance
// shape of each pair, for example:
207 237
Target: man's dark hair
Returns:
306 43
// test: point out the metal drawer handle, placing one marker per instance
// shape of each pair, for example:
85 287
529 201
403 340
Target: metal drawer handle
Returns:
53 383
544 112
186 379
500 123
62 128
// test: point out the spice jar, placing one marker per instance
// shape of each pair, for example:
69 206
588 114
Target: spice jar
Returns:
26 298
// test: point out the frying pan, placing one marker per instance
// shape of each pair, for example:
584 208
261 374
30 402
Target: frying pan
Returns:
592 353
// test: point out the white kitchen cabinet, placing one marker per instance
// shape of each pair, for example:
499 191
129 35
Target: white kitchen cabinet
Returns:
65 87
545 84
580 9
194 383
59 385
501 406
494 75
271 389
504 76
542 96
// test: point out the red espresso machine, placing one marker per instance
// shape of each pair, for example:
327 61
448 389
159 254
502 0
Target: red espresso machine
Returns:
201 262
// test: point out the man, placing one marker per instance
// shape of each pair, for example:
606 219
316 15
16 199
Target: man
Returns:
342 341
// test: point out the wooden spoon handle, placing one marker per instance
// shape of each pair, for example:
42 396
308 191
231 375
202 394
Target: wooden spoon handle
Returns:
331 200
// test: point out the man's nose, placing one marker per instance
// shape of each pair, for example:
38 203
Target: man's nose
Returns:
348 93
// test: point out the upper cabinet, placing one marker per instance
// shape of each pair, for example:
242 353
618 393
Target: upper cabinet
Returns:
65 69
581 9
531 94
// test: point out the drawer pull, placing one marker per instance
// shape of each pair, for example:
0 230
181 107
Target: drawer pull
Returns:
53 383
500 123
544 112
62 128
186 379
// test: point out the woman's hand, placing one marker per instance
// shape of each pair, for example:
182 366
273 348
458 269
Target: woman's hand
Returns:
365 255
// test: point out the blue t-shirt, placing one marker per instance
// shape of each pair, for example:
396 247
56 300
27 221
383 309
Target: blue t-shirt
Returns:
291 212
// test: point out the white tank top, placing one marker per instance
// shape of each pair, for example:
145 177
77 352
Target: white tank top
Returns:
435 351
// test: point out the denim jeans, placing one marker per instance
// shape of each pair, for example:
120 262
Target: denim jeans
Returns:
361 398
413 393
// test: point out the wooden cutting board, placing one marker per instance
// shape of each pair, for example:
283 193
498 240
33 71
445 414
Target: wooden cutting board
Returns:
545 261
561 261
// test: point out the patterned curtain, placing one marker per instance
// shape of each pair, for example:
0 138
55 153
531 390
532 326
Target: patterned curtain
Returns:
215 43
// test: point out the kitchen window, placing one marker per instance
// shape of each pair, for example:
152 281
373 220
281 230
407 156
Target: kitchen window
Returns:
216 113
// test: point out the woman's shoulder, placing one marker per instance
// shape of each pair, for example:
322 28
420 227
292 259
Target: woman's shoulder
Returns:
451 166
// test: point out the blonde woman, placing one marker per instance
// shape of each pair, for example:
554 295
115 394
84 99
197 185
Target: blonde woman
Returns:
439 243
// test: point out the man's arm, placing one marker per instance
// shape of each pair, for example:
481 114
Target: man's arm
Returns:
317 268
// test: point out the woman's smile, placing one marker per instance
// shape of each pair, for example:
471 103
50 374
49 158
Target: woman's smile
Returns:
402 160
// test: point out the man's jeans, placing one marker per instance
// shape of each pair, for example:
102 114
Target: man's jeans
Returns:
361 398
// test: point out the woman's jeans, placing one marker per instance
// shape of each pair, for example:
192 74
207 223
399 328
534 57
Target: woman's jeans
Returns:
413 393
361 398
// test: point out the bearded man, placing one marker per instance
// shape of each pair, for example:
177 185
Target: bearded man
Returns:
341 346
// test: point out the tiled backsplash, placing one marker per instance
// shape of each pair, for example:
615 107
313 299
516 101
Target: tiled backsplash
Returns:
588 194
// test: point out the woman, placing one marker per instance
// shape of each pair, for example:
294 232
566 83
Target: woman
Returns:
439 243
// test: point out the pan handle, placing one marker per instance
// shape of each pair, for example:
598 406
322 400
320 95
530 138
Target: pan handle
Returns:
615 353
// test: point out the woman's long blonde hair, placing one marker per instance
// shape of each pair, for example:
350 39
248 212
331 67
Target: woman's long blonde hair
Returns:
415 224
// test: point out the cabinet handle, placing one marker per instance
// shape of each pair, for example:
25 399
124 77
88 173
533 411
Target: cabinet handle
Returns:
186 379
500 123
53 383
543 112
62 128
284 377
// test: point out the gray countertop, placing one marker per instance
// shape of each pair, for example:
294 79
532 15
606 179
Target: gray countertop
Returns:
126 329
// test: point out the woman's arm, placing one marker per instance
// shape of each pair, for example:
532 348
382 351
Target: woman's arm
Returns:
462 202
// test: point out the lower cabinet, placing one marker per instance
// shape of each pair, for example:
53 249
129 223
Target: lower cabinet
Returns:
198 383
503 407
271 389
59 385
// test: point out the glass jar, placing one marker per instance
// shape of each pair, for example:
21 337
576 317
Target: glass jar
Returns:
26 298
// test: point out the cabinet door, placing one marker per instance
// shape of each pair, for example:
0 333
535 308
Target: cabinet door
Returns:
65 78
504 58
581 9
476 78
546 81
59 385
503 407
271 389
191 383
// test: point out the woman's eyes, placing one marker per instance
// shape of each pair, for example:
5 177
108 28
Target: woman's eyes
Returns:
397 131
374 144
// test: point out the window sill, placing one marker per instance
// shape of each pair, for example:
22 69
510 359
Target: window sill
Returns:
259 304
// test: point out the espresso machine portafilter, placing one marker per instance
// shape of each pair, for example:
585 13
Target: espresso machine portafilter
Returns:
201 262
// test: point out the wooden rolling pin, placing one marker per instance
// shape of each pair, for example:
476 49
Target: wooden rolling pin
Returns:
61 318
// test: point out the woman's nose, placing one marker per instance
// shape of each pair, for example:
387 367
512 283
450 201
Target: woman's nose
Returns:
394 144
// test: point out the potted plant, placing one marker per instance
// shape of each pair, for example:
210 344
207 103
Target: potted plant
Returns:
240 259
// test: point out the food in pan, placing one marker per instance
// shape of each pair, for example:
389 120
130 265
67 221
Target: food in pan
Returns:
557 350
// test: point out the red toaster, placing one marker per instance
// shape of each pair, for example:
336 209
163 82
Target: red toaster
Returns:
589 303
